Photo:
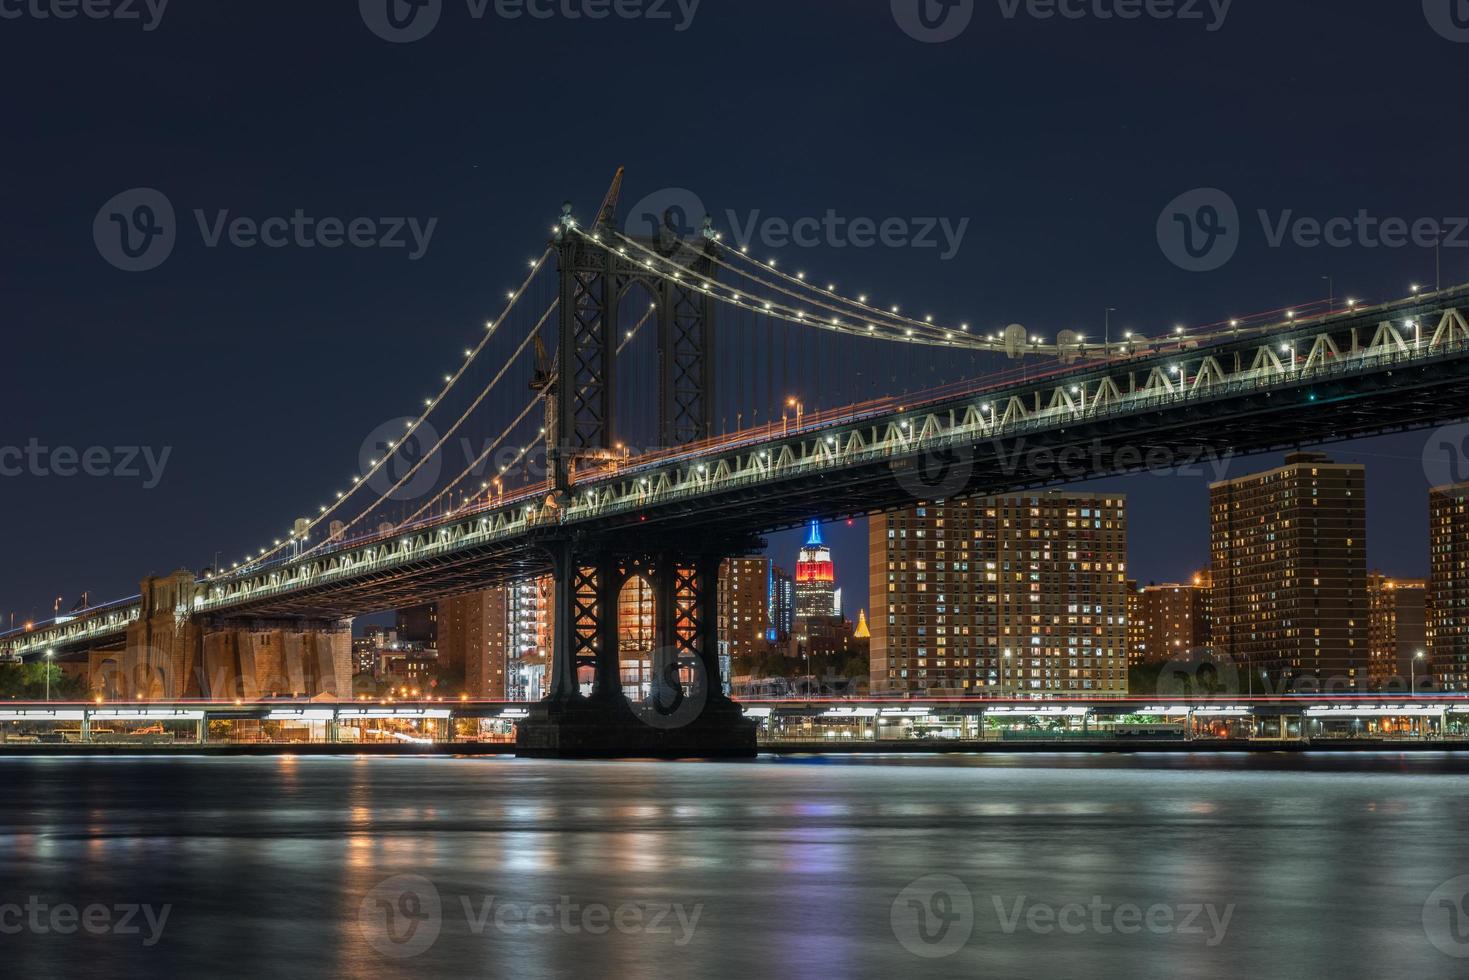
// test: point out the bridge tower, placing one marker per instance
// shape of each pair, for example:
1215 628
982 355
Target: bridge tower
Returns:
587 712
595 279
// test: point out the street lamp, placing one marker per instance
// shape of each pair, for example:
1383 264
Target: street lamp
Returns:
1416 657
49 655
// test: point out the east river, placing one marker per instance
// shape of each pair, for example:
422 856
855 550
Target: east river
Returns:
1319 865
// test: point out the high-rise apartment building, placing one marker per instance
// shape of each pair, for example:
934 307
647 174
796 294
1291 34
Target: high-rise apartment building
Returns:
1397 631
471 630
419 624
1289 566
1173 620
782 605
744 606
1136 636
1023 594
529 624
1448 586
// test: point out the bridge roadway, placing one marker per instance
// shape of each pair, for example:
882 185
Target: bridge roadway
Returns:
1393 367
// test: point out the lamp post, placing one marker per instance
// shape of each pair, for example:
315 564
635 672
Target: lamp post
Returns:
49 655
1416 657
792 402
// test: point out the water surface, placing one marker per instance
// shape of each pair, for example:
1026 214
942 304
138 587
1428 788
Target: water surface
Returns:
878 867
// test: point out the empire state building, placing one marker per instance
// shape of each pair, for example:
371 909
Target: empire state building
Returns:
816 586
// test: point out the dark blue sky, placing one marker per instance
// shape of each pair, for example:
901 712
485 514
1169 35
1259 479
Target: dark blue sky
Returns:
1061 142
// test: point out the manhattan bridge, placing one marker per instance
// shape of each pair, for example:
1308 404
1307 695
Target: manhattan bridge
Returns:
634 410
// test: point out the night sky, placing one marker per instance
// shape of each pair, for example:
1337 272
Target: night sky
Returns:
1061 141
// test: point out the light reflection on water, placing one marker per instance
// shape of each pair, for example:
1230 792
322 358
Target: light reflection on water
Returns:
794 865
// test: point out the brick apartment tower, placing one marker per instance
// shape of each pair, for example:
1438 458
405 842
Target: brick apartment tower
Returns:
1397 638
1289 565
1448 586
1024 594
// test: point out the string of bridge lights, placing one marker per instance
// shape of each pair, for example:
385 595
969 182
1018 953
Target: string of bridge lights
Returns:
951 336
524 450
479 399
775 310
867 309
468 470
872 322
325 511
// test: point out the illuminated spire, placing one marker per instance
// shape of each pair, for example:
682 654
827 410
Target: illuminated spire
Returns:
813 540
862 633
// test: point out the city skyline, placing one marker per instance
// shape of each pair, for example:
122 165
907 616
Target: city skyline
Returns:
762 488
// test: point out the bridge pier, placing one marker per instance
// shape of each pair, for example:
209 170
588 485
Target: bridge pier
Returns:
171 652
685 712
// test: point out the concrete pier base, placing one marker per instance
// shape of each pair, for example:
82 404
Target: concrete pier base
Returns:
584 728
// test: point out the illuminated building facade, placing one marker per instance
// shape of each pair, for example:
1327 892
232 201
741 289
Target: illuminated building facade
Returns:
1137 639
1172 620
782 605
744 606
1397 632
529 622
816 581
1289 565
472 640
637 631
1448 586
1024 594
